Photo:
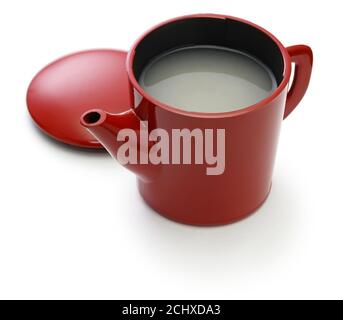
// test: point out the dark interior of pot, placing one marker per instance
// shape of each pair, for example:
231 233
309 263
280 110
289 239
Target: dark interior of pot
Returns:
227 33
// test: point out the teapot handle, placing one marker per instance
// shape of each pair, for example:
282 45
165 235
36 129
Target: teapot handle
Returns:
302 56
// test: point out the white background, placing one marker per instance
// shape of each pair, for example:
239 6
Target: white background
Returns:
72 224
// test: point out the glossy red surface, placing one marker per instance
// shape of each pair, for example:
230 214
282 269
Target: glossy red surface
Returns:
184 192
61 92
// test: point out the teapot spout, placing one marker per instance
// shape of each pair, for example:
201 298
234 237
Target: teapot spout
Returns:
106 128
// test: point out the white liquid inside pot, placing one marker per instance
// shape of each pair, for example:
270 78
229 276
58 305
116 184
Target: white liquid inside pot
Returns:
207 79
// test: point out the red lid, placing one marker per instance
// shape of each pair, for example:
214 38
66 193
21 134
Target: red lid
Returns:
65 89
